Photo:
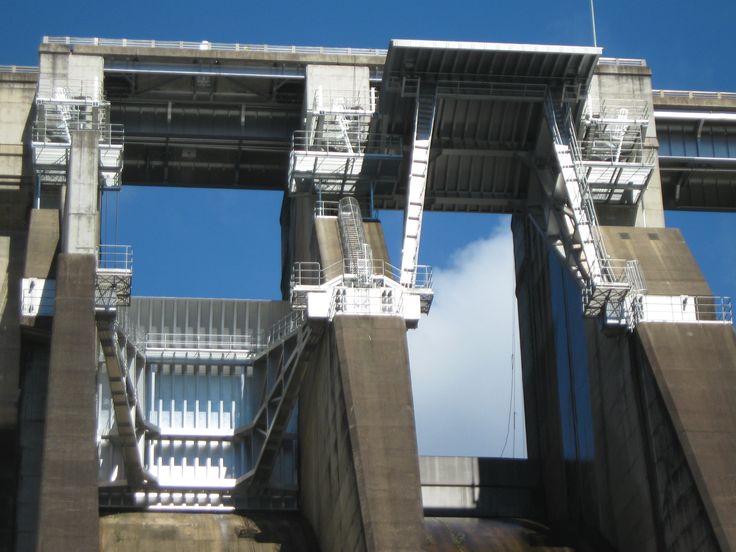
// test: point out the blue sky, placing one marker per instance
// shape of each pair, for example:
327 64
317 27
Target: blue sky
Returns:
226 244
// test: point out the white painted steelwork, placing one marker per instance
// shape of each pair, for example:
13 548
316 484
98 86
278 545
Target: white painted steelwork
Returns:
114 275
686 309
618 166
63 108
607 284
424 115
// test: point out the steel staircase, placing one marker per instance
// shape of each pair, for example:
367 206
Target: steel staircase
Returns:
604 284
416 186
355 248
129 419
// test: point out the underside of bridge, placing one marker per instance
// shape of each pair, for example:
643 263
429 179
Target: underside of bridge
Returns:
143 423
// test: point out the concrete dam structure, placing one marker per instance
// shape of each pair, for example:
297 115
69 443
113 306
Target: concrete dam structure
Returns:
158 423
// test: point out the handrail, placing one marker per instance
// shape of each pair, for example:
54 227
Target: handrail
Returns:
115 257
687 308
630 62
312 274
253 342
345 101
18 69
704 94
110 134
624 152
332 141
206 45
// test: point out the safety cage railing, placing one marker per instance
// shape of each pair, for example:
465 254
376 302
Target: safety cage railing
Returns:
116 258
687 308
345 101
249 342
311 274
326 142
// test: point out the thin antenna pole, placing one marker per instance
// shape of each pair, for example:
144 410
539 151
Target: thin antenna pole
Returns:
592 17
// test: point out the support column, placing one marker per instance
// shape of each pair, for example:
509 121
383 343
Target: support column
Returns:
68 513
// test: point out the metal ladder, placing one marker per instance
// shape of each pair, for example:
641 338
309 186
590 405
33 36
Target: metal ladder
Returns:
416 186
355 248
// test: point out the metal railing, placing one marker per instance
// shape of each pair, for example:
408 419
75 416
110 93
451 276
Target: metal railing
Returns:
115 258
622 271
203 342
687 308
206 45
18 69
311 274
284 327
345 100
617 109
631 62
345 143
616 151
702 94
72 90
329 208
491 89
253 342
58 134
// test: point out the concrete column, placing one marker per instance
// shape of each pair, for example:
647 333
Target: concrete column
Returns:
359 473
79 233
68 513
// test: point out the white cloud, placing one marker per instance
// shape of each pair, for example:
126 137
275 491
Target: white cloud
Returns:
461 354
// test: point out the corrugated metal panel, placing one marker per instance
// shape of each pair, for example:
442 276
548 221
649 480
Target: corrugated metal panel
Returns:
203 316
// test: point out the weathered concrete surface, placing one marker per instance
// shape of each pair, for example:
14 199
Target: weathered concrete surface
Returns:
457 486
68 512
374 364
80 213
31 419
43 242
182 532
648 497
359 469
327 478
16 187
486 535
694 366
668 266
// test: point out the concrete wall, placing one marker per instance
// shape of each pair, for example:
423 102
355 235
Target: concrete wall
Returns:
691 372
650 495
455 486
16 191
